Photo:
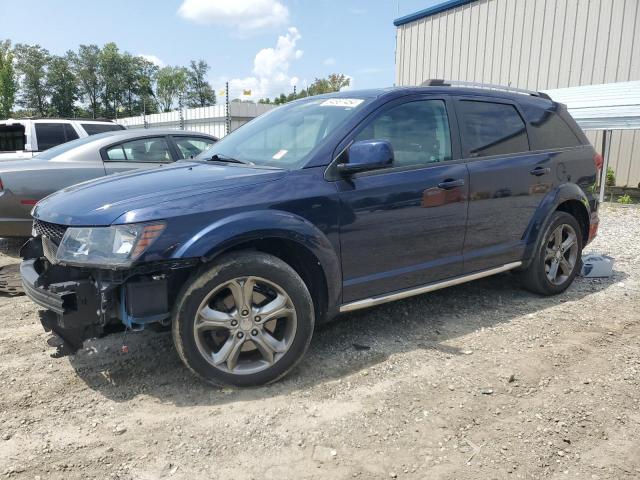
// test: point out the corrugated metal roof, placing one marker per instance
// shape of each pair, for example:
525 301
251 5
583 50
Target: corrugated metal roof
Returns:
608 106
427 12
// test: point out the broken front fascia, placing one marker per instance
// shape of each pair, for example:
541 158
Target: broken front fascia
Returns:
82 303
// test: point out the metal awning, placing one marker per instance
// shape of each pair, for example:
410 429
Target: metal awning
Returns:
607 106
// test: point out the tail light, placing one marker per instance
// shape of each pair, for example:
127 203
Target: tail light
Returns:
1 186
598 161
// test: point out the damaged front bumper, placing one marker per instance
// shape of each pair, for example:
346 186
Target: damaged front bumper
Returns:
83 303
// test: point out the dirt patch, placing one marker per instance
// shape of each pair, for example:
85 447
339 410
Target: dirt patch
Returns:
479 381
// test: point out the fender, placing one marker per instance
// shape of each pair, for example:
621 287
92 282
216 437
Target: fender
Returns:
260 224
549 204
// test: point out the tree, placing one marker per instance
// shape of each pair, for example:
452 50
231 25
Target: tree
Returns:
171 84
31 64
86 67
148 73
111 68
199 91
63 86
8 84
337 81
333 83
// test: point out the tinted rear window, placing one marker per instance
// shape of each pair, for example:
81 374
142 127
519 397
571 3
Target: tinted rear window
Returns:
11 138
52 134
95 128
551 131
492 128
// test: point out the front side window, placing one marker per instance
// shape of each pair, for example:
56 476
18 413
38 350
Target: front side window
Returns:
190 147
491 128
418 132
143 150
286 136
52 134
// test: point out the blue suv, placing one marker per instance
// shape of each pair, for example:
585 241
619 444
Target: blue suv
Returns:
327 204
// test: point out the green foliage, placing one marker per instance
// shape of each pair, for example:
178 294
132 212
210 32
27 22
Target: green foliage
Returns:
333 83
625 199
62 84
8 82
86 66
611 178
199 91
95 82
172 84
31 64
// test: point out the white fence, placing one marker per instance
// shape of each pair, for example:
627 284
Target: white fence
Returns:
211 120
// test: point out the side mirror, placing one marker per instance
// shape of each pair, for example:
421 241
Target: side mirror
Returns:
367 155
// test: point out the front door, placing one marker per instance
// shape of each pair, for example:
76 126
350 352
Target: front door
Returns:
507 181
404 226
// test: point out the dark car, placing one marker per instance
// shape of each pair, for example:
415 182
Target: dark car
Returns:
24 182
325 205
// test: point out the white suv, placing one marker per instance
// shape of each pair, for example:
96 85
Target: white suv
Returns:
24 138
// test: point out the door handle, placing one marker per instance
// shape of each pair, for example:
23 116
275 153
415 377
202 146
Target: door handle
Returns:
538 171
450 183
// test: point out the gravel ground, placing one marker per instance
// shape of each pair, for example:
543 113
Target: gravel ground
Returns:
479 381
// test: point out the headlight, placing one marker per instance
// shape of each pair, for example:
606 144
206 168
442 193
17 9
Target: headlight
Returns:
115 246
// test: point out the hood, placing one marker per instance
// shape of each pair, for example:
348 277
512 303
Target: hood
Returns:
101 201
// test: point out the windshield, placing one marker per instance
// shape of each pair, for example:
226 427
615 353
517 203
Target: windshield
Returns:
285 137
65 147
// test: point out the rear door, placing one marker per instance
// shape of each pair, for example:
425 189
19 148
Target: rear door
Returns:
507 180
147 152
404 226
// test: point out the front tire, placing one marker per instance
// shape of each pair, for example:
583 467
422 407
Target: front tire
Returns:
557 257
244 321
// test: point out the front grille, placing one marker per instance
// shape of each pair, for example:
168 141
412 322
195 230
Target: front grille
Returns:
50 249
50 230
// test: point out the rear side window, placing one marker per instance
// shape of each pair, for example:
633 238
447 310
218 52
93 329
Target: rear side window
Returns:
143 150
551 131
95 128
492 128
11 138
52 134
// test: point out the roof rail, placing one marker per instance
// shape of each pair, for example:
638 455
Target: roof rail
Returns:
438 82
75 119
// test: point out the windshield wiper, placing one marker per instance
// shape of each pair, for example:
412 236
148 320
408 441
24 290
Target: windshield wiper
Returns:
223 158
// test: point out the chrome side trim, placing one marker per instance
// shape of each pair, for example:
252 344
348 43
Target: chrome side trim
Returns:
370 302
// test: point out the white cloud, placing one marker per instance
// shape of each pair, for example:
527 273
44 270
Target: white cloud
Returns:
153 59
244 15
329 61
271 70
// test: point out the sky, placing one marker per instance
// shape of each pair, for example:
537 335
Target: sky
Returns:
267 46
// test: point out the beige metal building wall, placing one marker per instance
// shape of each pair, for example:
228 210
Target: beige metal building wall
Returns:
533 44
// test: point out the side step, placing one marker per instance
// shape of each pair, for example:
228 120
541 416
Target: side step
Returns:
430 287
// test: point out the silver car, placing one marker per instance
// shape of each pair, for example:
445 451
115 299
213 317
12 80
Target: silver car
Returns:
24 182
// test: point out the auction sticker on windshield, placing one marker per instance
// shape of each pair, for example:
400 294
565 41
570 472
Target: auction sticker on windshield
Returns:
279 154
342 102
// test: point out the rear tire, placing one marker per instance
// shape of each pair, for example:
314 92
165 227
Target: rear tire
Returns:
244 321
557 257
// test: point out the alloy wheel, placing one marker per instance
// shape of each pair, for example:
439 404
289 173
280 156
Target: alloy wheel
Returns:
561 254
245 325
